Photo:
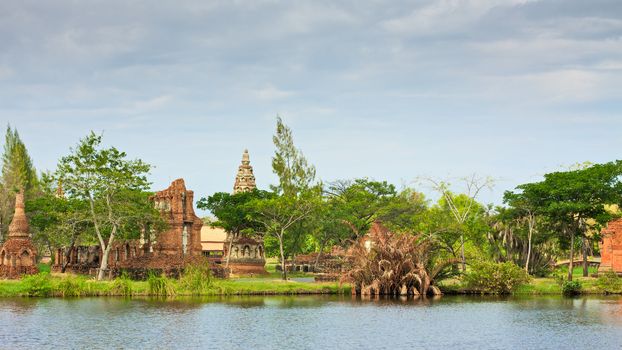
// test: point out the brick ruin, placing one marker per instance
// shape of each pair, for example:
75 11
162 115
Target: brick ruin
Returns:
611 247
247 254
167 253
18 255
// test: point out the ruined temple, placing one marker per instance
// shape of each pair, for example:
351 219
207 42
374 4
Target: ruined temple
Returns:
611 247
183 236
247 254
168 252
18 255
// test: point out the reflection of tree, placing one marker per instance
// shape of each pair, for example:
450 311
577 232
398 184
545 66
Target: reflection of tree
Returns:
19 306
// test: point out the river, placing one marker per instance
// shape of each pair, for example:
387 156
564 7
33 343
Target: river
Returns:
312 322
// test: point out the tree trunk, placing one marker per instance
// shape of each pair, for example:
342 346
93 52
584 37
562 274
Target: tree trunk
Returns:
103 266
283 272
229 252
462 252
529 245
317 260
570 263
584 252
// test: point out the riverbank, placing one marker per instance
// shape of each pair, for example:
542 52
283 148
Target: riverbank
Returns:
46 285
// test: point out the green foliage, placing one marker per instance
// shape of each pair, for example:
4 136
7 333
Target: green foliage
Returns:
122 285
196 279
39 285
160 285
17 169
610 283
289 164
72 287
495 278
114 188
571 288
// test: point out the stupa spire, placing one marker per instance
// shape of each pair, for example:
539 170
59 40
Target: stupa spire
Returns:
19 225
244 180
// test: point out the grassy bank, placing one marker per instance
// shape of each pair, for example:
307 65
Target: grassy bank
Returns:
545 286
44 284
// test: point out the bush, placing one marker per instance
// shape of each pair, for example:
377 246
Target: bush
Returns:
495 278
160 285
122 285
196 279
39 285
610 283
570 288
73 287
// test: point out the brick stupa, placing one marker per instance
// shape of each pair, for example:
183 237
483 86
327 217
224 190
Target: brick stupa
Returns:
18 255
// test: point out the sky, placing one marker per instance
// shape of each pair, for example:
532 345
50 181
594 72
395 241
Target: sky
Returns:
395 91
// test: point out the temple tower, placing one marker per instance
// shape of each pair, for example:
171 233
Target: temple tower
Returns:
244 180
18 255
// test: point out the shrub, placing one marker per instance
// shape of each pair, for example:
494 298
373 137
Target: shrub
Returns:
196 279
610 283
73 287
570 288
122 285
160 285
495 278
39 285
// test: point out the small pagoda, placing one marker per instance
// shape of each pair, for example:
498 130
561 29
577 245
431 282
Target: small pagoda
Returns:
18 255
247 254
245 179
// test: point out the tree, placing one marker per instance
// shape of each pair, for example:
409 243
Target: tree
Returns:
278 215
289 164
111 185
233 213
58 222
474 185
568 199
360 202
296 195
17 173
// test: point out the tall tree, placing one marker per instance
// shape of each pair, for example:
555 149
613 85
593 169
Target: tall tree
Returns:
297 193
568 199
461 213
111 185
289 164
17 173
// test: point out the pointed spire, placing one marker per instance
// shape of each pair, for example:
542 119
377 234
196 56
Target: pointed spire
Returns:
244 180
19 224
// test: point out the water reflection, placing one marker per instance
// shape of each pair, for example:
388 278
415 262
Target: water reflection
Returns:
311 322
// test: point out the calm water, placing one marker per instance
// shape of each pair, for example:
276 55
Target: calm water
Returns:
312 322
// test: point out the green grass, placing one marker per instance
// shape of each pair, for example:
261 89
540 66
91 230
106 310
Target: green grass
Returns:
44 284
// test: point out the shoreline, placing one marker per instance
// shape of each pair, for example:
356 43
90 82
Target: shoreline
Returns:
54 286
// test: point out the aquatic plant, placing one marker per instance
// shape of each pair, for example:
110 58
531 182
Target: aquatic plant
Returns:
395 264
72 287
38 285
122 285
160 285
196 278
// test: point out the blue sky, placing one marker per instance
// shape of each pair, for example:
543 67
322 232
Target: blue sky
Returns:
387 90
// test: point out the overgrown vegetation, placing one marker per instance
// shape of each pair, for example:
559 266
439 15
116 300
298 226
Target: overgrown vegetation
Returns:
571 288
495 278
395 264
610 283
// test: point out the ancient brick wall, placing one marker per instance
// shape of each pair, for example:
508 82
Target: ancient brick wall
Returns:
611 247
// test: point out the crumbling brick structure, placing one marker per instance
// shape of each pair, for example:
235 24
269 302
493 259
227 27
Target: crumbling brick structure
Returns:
18 256
611 247
167 253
